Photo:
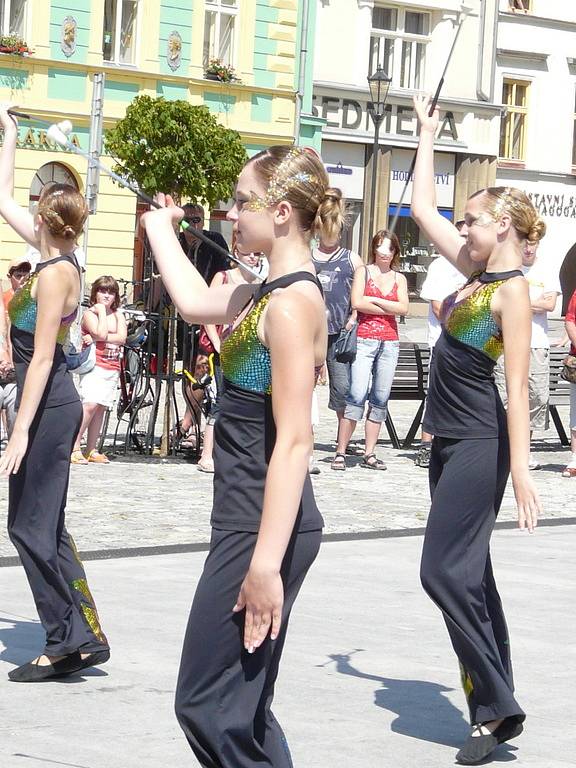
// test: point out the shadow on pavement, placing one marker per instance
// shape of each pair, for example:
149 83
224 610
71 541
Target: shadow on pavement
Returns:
423 712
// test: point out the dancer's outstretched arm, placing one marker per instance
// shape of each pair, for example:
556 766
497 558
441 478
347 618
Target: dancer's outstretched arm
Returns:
19 218
425 212
196 302
291 325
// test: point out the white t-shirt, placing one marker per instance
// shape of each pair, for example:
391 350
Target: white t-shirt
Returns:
442 279
542 278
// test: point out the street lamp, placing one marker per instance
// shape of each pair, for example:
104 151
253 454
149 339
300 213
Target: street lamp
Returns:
379 84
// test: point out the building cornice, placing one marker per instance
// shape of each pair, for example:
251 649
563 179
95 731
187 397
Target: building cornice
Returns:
524 55
406 96
529 19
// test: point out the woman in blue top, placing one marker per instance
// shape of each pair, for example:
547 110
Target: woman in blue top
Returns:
477 444
37 458
266 527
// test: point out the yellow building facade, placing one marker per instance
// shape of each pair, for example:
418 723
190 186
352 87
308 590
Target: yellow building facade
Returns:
153 47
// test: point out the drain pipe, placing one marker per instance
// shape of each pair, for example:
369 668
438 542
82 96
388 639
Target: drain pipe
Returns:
301 71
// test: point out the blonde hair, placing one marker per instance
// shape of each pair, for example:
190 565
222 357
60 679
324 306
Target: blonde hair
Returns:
517 205
298 176
64 211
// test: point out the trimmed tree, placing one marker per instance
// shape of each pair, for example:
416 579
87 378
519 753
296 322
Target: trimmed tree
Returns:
180 148
176 147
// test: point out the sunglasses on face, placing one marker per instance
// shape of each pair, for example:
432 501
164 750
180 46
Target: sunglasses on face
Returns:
19 273
193 220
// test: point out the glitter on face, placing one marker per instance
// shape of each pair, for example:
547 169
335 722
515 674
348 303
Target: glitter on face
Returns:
471 321
244 359
281 183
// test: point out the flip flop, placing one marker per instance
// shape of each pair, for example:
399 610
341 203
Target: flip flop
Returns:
77 457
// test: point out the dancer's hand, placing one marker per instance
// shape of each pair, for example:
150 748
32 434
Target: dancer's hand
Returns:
262 595
527 500
15 452
422 108
169 212
8 122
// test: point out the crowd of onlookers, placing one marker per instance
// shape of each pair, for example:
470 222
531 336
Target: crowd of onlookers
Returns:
363 296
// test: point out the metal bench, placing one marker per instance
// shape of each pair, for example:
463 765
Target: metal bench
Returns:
559 392
410 383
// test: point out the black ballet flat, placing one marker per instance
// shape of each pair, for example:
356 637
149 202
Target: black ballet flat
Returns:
95 658
32 672
477 748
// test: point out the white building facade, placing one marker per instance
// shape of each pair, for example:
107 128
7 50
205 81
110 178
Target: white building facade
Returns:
536 82
411 43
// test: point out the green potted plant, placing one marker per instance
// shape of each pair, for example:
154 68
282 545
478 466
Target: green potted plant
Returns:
217 70
14 44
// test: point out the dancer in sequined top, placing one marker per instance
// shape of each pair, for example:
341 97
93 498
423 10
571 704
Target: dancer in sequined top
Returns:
266 526
49 413
476 443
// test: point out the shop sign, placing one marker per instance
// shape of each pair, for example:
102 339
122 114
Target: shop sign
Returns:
32 138
554 206
351 115
444 165
344 163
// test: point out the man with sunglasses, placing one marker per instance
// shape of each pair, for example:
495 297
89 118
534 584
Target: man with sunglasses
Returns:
18 272
207 260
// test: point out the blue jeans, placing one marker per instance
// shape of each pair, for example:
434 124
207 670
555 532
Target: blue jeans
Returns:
379 359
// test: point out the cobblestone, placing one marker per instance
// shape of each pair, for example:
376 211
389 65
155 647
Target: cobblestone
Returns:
139 502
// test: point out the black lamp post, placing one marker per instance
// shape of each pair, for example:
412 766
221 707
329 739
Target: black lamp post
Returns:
379 84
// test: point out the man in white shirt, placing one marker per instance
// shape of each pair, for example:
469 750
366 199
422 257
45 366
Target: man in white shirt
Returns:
442 279
545 288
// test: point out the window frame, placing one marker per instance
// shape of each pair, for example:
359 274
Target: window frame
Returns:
116 43
5 26
220 9
400 38
512 111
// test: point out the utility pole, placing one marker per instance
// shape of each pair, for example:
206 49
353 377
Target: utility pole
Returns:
95 149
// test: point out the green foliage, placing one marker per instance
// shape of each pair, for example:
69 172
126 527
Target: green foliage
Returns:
176 147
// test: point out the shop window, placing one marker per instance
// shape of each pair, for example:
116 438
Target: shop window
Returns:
51 173
513 125
12 17
119 31
519 6
398 44
220 22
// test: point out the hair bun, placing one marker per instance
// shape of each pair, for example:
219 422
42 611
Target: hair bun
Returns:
537 230
333 194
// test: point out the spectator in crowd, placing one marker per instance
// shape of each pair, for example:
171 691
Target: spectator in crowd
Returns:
442 279
544 285
18 272
570 469
7 375
103 324
234 276
335 268
206 260
379 294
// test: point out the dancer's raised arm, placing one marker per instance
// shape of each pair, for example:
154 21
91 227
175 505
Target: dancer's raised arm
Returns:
196 302
16 216
425 212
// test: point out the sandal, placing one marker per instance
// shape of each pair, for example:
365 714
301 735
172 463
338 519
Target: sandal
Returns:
371 462
77 457
95 457
569 472
339 462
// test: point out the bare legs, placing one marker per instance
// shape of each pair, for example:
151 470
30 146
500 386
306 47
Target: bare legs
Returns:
93 416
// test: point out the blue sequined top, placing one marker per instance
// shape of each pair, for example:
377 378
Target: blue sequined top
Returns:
244 359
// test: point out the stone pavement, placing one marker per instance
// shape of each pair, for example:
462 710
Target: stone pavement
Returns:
144 502
368 679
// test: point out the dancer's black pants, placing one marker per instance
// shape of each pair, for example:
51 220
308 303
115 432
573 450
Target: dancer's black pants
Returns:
224 694
467 482
37 500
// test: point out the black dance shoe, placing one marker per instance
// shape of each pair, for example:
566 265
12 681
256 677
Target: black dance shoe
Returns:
32 672
95 658
477 748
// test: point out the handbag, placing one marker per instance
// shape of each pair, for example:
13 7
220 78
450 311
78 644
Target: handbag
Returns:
81 362
569 369
345 345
